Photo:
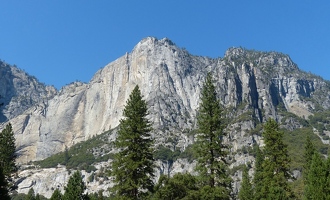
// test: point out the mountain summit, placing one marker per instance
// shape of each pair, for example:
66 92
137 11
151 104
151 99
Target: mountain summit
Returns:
250 83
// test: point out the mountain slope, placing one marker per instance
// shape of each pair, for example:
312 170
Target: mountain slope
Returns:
252 86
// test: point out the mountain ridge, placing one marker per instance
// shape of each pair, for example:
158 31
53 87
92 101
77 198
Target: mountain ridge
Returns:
252 87
170 79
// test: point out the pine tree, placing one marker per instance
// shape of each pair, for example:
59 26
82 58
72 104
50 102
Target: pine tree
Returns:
75 188
210 149
258 174
316 179
275 150
308 155
7 155
133 165
56 195
246 191
4 195
7 151
275 172
275 185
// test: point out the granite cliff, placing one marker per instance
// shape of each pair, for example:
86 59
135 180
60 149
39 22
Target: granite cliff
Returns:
252 87
170 79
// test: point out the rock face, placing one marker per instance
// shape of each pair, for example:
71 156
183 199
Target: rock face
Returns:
19 91
252 87
45 181
170 79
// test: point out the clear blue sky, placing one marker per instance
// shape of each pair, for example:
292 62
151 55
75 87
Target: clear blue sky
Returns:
66 40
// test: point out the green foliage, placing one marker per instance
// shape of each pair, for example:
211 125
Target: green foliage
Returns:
316 179
288 115
320 120
213 193
273 178
4 195
7 151
75 188
308 156
275 149
19 196
302 160
180 186
166 154
97 196
258 173
237 168
210 150
30 195
246 116
275 183
133 165
56 195
298 187
188 153
246 191
257 130
295 139
82 155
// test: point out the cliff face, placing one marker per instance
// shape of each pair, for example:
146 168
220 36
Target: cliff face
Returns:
19 91
170 79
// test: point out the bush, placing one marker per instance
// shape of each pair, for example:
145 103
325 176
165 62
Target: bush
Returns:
296 140
188 153
166 154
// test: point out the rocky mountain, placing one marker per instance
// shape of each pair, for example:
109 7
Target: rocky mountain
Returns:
170 79
20 91
252 87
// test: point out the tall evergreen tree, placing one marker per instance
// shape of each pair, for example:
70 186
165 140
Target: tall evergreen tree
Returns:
7 151
210 148
246 191
275 185
4 195
258 174
275 149
316 179
133 165
308 155
8 155
75 188
275 172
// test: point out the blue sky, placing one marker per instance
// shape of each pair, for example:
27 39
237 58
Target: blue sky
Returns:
62 41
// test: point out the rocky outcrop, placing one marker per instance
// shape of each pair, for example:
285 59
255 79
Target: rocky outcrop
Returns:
45 181
170 79
20 91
